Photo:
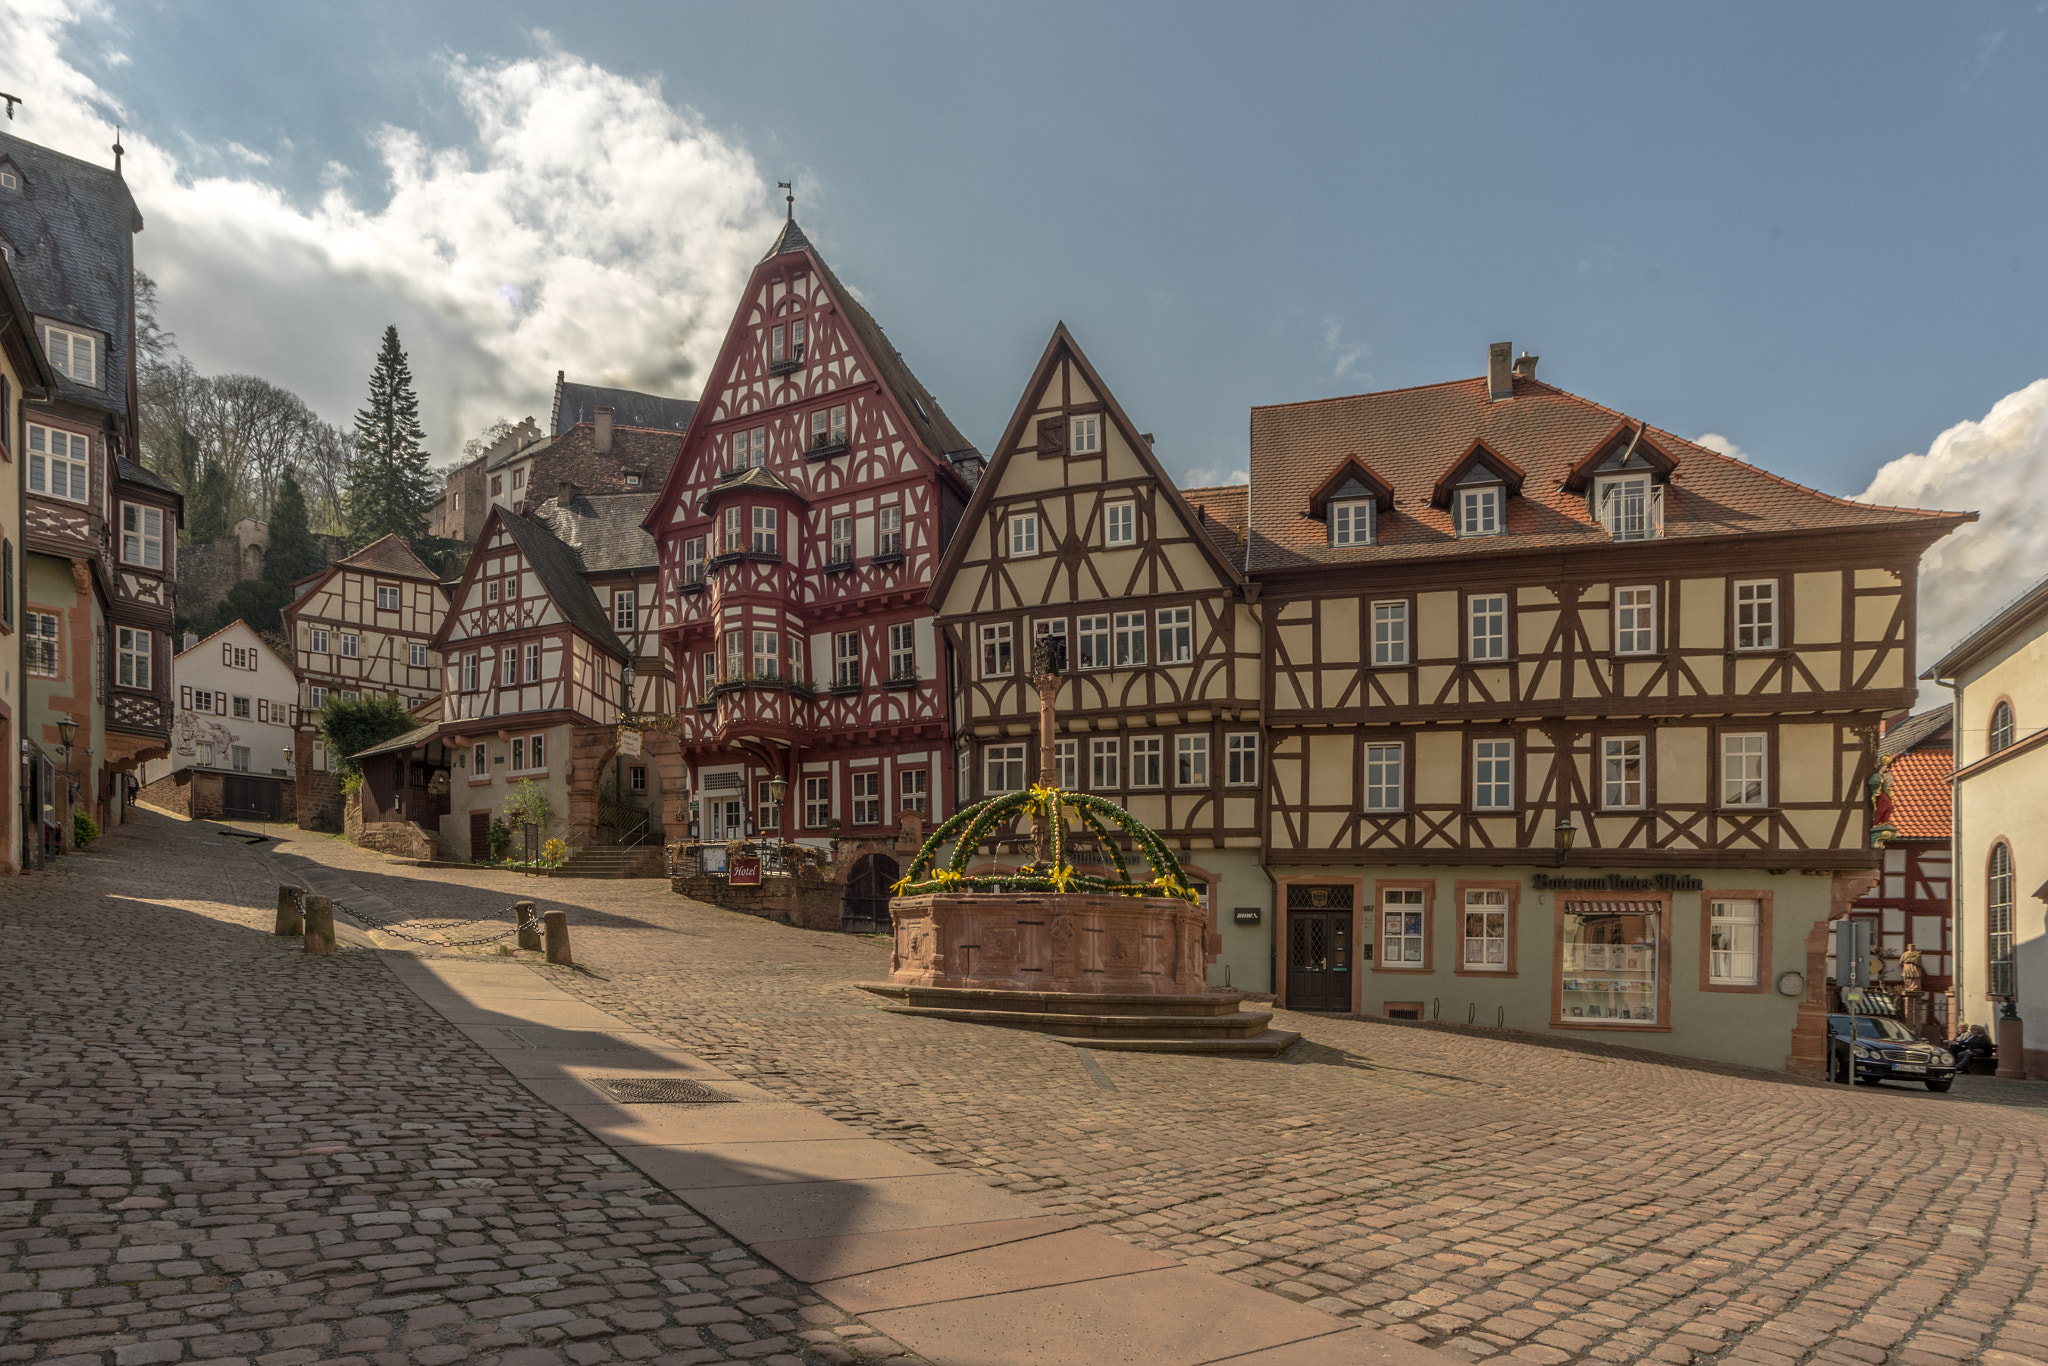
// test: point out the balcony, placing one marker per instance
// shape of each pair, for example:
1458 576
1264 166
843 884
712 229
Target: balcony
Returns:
824 448
771 682
788 365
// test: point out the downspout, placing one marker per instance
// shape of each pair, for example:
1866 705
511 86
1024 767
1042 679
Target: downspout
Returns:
1955 850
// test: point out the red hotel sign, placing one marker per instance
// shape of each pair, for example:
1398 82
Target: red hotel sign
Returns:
744 872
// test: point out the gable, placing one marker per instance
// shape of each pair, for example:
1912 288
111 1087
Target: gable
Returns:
1479 465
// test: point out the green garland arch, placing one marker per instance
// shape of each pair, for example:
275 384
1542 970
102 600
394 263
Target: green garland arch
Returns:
971 825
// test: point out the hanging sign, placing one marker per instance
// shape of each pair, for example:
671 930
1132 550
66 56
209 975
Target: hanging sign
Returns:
744 872
629 743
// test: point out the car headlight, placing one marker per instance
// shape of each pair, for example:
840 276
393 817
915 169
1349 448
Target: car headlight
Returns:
1943 1059
1864 1052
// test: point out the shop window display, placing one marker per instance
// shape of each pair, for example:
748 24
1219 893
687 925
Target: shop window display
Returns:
1609 963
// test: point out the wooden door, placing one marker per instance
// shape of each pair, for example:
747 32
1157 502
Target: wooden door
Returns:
479 836
1318 960
866 908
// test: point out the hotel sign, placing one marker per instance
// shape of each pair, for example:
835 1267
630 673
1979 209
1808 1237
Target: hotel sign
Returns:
1617 882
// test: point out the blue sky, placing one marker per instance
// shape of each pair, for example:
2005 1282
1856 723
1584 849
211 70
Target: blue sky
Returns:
1814 230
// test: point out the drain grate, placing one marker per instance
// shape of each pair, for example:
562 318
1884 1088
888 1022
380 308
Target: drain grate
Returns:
659 1091
570 1040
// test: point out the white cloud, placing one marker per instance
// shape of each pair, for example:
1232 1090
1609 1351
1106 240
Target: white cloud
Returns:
1997 467
1344 355
1213 476
587 225
1714 441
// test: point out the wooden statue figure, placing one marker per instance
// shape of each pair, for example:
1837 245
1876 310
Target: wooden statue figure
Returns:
1909 968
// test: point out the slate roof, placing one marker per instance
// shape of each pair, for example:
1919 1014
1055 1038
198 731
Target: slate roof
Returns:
1931 725
132 473
1921 794
412 739
753 477
1410 438
388 555
604 530
1224 511
555 564
576 403
649 450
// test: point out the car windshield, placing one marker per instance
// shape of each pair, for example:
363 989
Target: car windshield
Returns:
1877 1027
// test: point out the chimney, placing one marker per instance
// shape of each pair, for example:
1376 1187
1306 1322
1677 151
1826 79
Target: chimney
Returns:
604 430
1525 366
191 639
1500 381
565 492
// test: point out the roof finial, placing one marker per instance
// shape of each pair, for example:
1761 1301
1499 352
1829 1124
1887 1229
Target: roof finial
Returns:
117 149
789 198
12 100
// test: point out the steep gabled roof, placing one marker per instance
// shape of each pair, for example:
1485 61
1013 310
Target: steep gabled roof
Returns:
255 634
560 575
1411 436
1062 344
575 403
1352 479
388 555
1929 727
754 478
1625 449
1223 510
31 363
603 529
1480 457
1922 795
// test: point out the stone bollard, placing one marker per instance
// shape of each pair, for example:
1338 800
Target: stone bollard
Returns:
2012 1048
529 925
289 921
319 924
557 926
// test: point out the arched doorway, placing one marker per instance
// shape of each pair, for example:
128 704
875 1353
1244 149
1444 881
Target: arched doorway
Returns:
866 908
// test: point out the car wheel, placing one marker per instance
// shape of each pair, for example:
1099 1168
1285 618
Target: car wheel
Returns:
1838 1070
1940 1083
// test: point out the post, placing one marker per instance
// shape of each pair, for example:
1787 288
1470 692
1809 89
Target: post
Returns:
2012 1040
1048 662
289 921
319 924
557 932
529 925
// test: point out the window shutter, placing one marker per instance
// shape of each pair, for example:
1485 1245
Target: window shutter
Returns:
294 713
6 583
185 698
1657 510
262 709
220 703
227 655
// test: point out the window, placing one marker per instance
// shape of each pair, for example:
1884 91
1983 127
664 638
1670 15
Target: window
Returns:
1103 765
1066 764
1635 621
142 535
1621 773
1094 642
533 661
479 763
1005 768
867 797
796 339
57 463
491 591
2001 727
497 485
693 560
1130 640
536 754
735 655
40 646
995 650
238 758
1493 775
1024 535
1389 633
632 479
846 659
1147 756
734 538
764 531
625 609
72 355
1241 760
315 695
351 646
241 708
134 653
1487 619
1176 635
1610 961
754 445
817 802
469 679
9 181
636 776
1742 770
1756 615
508 667
416 655
316 640
1120 524
890 542
1630 506
1385 777
6 581
1486 929
1998 923
1087 434
828 428
841 541
1191 761
387 597
767 654
1402 937
519 754
319 756
778 351
1351 522
913 790
1479 511
903 651
1732 943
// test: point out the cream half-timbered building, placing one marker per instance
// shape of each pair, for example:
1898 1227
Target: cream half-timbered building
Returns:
1499 615
798 533
1077 531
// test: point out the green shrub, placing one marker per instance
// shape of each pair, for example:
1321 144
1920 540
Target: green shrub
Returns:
527 804
501 837
352 725
83 831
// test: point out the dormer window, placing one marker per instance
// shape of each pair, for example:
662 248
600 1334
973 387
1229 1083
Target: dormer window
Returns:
1630 506
1480 511
632 479
1351 522
8 179
73 355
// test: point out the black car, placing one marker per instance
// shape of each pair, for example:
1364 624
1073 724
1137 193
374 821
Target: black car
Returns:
1882 1049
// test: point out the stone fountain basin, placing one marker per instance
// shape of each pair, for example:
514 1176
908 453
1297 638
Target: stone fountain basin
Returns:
1090 942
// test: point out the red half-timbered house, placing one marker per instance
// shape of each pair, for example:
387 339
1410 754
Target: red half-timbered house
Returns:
798 532
1910 904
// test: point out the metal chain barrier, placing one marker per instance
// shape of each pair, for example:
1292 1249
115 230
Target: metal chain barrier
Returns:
389 925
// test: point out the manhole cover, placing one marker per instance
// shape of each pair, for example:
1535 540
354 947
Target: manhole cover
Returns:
578 1040
659 1091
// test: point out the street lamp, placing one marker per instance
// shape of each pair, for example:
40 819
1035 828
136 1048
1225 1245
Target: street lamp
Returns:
778 788
1564 833
67 735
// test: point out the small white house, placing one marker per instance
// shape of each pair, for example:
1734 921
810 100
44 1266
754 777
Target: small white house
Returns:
237 705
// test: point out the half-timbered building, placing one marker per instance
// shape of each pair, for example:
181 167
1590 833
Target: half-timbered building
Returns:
1909 908
23 370
1502 620
798 533
1076 531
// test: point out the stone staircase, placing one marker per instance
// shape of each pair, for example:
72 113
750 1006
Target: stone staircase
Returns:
1213 1023
600 860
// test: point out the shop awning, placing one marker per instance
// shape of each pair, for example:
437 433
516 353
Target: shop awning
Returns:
1604 908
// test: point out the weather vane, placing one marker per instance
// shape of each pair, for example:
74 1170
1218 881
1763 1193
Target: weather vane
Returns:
12 100
789 198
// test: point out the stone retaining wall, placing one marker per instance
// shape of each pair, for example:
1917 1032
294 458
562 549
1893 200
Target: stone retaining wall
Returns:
808 905
401 839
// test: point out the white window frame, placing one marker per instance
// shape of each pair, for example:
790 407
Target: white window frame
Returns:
1734 941
1241 759
62 344
508 666
767 531
735 530
902 651
913 790
1191 761
1493 775
1482 510
480 760
315 694
889 531
1084 434
1120 523
625 609
1635 620
142 535
1066 764
318 641
817 801
1404 942
1486 628
1386 776
238 758
1756 614
1128 632
846 659
45 462
867 796
1353 522
351 646
1629 506
532 653
242 708
767 661
1105 765
1002 769
1624 772
1023 535
135 651
387 590
1390 634
1486 951
469 672
1746 770
416 655
693 560
839 540
998 655
1148 761
43 648
1092 642
1176 634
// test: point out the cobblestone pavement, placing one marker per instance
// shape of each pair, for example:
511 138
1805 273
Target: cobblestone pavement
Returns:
1487 1196
214 1149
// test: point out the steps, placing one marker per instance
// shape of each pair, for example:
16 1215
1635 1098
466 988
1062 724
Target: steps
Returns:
610 862
1212 1023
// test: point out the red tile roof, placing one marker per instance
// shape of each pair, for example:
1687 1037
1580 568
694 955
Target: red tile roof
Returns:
1227 507
389 555
1411 438
1920 793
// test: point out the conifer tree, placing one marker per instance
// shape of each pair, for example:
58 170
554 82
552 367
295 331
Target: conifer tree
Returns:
293 552
391 489
207 513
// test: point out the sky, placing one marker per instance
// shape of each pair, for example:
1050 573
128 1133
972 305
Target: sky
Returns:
1811 235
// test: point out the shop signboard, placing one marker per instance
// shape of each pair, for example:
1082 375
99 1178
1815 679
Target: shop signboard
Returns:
744 871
